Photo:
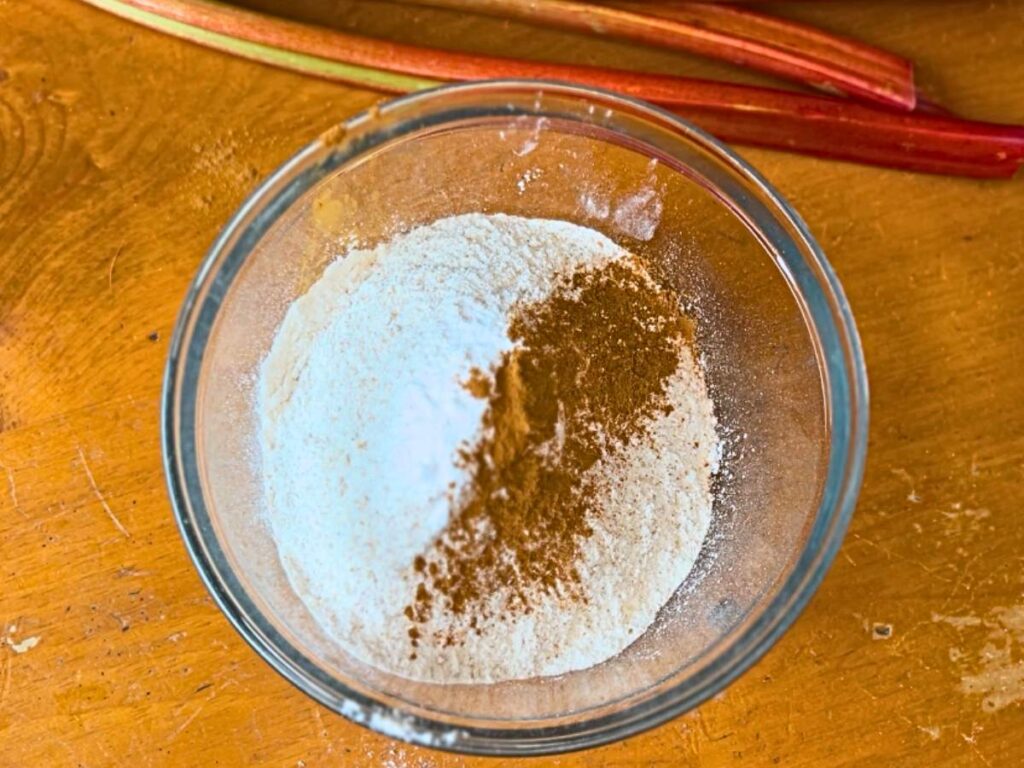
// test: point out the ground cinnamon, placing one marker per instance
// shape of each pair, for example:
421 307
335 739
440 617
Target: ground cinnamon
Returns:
589 369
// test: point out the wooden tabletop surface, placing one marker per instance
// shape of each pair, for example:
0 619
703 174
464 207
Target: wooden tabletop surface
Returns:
122 152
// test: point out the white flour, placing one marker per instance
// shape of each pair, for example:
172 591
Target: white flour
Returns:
362 413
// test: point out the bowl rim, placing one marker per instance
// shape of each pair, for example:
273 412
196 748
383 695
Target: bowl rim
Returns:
846 374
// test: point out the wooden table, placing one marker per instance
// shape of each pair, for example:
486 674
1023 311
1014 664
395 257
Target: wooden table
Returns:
122 154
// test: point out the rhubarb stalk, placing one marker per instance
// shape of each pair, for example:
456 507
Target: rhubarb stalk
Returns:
753 40
816 125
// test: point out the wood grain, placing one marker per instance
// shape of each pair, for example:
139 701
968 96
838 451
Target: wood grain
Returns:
123 152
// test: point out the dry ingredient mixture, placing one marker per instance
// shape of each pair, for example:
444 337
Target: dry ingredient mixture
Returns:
487 449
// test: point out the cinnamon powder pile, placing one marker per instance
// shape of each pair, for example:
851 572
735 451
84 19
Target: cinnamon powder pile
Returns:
588 371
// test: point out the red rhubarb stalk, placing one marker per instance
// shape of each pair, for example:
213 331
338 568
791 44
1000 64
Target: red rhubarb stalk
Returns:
816 125
753 40
835 128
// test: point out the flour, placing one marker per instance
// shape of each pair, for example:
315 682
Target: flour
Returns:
363 411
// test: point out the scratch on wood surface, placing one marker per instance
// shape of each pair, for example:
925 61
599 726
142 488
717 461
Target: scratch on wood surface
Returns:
110 269
188 720
12 490
229 682
99 495
7 681
900 639
870 543
106 752
907 720
889 555
960 580
185 723
972 742
255 726
971 513
975 750
322 731
707 733
71 751
865 691
126 570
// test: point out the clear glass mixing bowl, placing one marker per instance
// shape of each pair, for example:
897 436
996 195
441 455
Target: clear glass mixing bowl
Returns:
776 335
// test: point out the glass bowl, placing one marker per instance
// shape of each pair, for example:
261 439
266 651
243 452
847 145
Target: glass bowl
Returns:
775 335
